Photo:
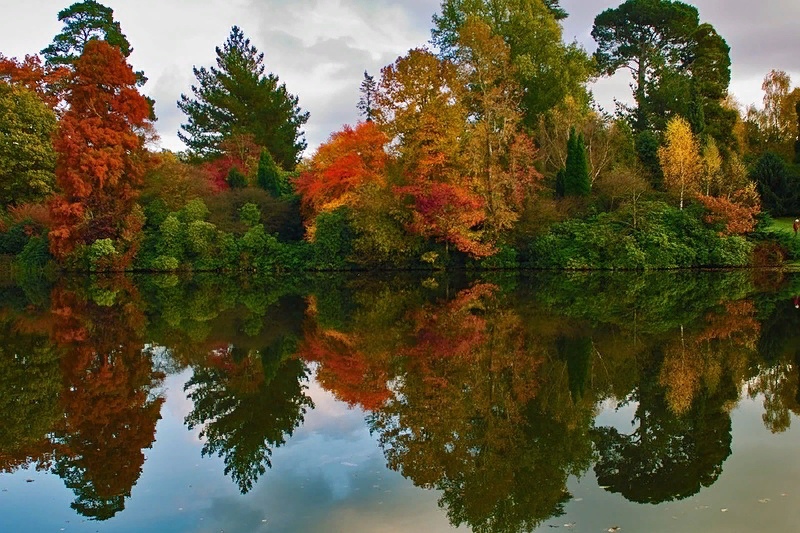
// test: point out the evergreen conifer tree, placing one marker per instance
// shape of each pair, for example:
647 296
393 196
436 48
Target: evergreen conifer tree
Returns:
235 98
576 173
269 175
236 179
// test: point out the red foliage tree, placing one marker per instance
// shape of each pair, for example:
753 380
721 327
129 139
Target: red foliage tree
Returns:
46 81
449 213
100 146
240 152
351 158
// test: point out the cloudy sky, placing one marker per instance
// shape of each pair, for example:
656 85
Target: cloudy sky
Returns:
320 48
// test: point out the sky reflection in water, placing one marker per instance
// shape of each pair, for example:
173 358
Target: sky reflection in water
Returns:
495 398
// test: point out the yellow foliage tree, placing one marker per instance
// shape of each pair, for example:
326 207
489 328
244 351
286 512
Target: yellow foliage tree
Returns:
680 159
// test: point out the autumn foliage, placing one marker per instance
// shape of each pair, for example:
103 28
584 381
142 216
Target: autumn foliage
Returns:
352 157
99 146
736 213
46 81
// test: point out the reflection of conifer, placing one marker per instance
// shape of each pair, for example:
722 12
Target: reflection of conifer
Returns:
577 353
248 404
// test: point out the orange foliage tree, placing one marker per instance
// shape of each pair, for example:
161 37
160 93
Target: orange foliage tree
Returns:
352 157
420 108
736 212
30 73
100 146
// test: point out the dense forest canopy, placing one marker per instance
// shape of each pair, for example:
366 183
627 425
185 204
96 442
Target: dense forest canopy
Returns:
482 148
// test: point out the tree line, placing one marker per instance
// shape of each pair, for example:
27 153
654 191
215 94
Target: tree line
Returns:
483 148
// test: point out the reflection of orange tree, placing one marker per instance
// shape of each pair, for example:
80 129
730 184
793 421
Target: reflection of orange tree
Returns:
247 403
695 361
110 411
466 417
347 368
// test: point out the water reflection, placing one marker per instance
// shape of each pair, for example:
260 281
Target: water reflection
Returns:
486 390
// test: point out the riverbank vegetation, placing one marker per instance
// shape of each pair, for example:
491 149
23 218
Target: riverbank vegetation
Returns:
481 149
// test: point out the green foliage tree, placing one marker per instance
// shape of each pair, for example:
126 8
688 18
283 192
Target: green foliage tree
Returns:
778 186
83 22
269 175
576 171
27 158
236 179
548 70
236 97
679 65
647 144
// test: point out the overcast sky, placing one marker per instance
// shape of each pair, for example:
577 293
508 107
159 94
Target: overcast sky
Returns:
320 48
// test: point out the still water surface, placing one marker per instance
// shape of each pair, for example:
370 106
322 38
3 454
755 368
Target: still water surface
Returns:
581 402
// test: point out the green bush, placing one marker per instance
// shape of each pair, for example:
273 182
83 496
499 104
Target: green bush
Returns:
35 255
250 214
165 263
333 241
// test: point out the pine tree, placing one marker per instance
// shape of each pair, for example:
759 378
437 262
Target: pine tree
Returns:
576 173
269 175
83 22
366 103
235 98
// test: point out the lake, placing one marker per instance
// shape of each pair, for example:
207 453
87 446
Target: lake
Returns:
490 402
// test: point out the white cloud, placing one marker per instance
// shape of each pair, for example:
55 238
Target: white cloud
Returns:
320 48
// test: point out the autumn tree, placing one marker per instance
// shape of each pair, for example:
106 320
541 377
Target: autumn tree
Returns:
420 108
680 159
27 159
236 97
731 198
774 127
30 73
547 69
499 155
99 145
351 158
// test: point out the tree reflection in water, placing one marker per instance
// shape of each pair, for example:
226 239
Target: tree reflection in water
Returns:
486 391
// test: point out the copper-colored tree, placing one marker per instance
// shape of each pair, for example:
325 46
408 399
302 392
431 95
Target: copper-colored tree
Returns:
99 144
